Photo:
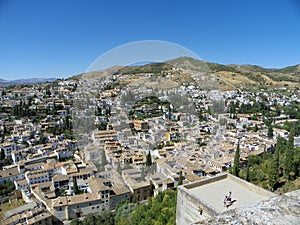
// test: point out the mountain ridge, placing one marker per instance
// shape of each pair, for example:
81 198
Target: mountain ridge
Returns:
246 75
4 82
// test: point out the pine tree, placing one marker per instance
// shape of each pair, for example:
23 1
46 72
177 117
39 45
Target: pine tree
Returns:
289 163
236 162
273 173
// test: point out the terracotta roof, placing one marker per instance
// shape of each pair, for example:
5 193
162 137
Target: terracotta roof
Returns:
75 199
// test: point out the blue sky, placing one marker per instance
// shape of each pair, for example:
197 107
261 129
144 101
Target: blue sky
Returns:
60 38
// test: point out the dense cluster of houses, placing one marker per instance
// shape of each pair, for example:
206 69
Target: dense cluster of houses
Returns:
110 165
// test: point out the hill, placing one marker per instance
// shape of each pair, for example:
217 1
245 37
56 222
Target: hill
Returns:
26 81
186 69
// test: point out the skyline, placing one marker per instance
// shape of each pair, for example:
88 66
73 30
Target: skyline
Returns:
61 39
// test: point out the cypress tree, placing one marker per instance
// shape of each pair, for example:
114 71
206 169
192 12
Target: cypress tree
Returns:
148 159
119 169
236 162
270 131
180 179
274 167
2 154
289 163
75 186
248 169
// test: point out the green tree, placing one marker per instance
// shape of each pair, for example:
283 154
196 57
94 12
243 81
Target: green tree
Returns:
270 131
6 188
123 212
236 162
248 169
105 218
75 186
180 179
76 221
273 173
102 126
2 154
255 129
289 163
148 159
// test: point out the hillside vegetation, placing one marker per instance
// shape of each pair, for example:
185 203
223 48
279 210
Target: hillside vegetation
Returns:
160 210
240 76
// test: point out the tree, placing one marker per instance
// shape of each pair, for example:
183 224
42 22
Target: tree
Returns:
270 131
6 188
255 129
102 126
273 173
236 162
2 154
75 186
289 163
148 159
180 179
76 221
248 169
2 136
119 169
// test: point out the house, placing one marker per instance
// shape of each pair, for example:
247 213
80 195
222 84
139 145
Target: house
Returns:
140 187
161 183
37 176
76 206
8 148
31 214
141 125
12 174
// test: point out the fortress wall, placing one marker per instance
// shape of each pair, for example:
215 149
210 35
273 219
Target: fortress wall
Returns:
250 186
191 209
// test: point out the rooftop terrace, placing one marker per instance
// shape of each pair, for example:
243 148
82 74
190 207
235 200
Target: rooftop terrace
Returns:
243 194
203 199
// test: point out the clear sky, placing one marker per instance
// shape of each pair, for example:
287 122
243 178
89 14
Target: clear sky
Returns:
60 38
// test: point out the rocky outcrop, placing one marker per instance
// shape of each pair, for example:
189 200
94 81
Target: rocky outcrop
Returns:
283 209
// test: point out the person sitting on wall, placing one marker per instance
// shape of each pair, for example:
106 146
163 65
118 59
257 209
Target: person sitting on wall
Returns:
225 201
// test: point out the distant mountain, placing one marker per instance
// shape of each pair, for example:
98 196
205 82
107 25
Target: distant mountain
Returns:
26 81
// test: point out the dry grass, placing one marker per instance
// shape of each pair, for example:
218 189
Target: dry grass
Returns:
10 205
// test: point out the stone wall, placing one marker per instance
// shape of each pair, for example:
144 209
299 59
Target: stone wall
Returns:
278 210
190 208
